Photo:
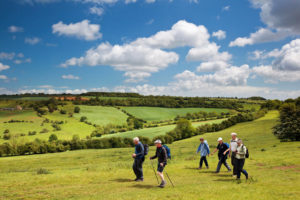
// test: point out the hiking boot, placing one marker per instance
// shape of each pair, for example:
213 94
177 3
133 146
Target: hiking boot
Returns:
207 167
247 177
199 167
140 180
162 185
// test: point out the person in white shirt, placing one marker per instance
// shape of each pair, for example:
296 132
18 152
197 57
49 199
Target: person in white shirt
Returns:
232 154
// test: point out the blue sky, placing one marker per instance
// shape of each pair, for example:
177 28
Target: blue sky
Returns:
188 48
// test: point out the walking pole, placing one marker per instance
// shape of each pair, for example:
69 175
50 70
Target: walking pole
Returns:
154 171
169 179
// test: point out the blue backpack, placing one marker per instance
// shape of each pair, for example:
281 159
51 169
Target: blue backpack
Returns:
168 151
227 147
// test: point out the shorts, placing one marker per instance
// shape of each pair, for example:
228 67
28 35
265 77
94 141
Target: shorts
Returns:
160 168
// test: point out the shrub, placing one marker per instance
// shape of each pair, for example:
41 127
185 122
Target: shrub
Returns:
6 131
63 112
83 119
44 130
32 133
42 171
52 137
76 109
6 136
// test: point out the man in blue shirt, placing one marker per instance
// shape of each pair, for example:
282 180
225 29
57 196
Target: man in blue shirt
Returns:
139 158
204 151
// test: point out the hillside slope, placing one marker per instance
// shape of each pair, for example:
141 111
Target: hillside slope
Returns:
106 174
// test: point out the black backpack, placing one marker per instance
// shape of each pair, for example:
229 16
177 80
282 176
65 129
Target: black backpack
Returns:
146 149
247 153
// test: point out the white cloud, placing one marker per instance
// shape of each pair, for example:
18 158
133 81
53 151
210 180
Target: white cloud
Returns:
8 56
136 60
18 61
286 65
150 1
71 77
97 10
46 86
3 77
208 52
15 29
219 34
3 67
212 66
82 30
226 8
281 19
150 22
32 41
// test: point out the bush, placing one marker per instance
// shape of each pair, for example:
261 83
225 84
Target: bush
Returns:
44 130
76 109
52 137
63 112
32 133
42 171
6 136
165 139
83 119
6 131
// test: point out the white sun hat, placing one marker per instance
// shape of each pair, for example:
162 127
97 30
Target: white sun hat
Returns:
232 134
219 139
157 142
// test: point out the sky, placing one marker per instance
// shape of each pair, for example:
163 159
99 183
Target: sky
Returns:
232 48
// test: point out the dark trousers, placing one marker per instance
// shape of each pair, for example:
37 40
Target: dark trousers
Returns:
240 168
233 163
138 168
203 158
222 160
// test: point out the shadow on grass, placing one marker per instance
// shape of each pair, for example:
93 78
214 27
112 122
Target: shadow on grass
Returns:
223 175
122 180
144 186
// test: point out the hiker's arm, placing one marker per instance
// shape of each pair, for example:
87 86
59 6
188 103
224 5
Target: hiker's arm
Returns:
214 151
155 156
208 150
198 149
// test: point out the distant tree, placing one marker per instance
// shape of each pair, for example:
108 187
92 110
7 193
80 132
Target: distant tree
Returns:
52 137
76 109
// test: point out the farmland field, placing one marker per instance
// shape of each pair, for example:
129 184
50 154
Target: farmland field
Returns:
106 174
101 115
156 131
158 114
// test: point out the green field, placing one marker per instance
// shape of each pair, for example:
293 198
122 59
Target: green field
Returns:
71 127
156 131
101 115
106 174
158 114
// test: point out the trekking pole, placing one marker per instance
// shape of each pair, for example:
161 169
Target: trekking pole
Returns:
154 171
169 179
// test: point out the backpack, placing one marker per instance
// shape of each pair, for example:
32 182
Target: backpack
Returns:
168 150
146 149
227 147
247 153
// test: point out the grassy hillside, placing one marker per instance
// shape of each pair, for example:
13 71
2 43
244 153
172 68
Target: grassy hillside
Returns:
106 174
156 131
157 114
101 115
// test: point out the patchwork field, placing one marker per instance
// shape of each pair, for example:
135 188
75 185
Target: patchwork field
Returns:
101 115
156 131
158 114
106 174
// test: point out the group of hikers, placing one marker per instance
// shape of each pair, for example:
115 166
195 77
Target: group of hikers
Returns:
236 150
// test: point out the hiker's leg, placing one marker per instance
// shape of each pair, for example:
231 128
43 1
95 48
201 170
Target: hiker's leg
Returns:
219 165
134 167
226 164
205 161
161 175
140 169
239 169
201 162
233 163
242 168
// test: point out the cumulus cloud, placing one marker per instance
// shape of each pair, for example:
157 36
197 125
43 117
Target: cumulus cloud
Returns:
285 66
3 77
96 10
212 66
147 55
281 19
32 41
15 29
3 67
219 34
71 77
82 30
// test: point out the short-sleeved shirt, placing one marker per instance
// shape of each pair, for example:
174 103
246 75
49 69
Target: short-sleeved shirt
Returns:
233 145
222 148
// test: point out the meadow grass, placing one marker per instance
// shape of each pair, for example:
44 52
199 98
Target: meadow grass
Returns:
107 174
158 114
102 115
156 131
